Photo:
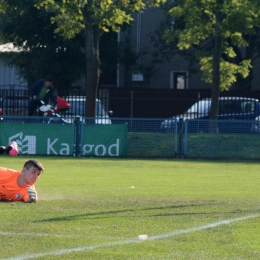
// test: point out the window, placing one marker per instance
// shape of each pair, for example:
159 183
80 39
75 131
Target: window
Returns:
228 106
247 106
178 80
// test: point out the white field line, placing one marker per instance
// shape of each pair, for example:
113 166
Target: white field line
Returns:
134 240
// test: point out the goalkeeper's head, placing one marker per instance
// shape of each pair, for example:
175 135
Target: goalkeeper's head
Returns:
31 172
33 163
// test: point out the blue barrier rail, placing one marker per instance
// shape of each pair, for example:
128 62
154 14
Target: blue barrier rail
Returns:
128 137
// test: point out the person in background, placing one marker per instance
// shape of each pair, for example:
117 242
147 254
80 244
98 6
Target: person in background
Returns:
42 90
19 185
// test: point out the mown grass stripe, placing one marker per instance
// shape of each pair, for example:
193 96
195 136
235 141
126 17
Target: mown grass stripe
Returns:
135 240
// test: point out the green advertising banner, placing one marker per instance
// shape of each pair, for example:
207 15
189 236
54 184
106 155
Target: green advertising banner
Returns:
104 140
39 138
56 139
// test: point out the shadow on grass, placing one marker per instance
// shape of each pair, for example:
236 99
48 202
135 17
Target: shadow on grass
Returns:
107 213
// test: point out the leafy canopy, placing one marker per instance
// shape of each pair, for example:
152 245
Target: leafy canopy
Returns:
199 19
42 51
106 14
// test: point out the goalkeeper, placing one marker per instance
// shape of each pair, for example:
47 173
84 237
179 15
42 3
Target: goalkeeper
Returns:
19 185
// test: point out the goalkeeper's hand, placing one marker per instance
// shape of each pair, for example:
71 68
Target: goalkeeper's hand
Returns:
32 194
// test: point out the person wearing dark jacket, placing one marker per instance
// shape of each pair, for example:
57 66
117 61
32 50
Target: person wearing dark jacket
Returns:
41 90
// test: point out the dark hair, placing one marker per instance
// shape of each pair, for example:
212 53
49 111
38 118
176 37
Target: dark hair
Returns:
49 79
33 163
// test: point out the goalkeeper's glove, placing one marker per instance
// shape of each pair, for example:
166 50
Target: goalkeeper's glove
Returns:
32 194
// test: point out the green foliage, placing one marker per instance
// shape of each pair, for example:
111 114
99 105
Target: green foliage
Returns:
228 71
238 18
106 14
44 52
92 18
160 51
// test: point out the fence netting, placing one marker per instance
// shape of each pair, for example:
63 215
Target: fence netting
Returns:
128 137
222 139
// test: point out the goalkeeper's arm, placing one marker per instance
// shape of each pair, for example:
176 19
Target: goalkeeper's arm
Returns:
32 194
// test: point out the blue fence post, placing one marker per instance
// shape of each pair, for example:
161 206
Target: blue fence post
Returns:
77 137
180 137
185 138
175 138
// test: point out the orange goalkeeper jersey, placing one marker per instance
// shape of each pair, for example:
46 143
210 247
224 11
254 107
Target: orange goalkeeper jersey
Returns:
9 189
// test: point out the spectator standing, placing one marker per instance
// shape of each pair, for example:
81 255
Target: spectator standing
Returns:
42 90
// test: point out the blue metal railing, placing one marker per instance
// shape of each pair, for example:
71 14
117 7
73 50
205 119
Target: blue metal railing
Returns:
144 138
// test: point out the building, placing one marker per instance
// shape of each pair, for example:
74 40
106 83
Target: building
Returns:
174 74
9 76
170 75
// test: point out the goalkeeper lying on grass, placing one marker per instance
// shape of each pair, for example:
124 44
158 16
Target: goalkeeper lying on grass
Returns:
19 185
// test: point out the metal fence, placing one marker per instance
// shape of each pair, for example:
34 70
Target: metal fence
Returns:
140 103
133 138
221 139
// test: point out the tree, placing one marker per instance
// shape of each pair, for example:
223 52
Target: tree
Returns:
93 17
160 52
43 52
252 52
217 27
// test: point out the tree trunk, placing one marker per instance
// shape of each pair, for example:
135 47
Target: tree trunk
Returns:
92 37
215 78
215 75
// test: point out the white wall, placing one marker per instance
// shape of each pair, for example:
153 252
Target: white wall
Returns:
9 77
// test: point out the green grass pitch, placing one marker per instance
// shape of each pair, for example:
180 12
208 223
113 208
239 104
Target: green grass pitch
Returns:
94 208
